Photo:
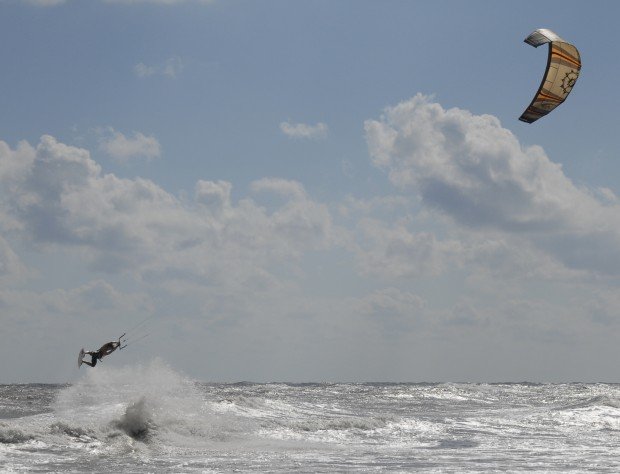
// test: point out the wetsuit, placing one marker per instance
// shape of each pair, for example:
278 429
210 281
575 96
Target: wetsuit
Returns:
94 357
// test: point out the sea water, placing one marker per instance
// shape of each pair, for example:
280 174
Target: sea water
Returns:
152 419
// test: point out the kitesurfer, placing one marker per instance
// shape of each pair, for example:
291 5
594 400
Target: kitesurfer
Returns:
103 351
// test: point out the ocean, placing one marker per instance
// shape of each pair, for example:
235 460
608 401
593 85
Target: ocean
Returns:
150 418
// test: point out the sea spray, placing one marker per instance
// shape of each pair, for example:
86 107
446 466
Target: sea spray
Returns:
136 421
146 402
132 399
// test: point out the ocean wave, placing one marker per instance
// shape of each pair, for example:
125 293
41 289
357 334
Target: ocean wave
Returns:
241 401
339 424
137 421
73 431
10 435
605 401
140 402
152 419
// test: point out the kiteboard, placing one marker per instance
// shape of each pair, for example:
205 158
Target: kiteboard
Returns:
80 357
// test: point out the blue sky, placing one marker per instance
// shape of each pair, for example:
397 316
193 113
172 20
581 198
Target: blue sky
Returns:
308 190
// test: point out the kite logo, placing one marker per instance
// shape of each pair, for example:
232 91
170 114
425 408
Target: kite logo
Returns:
569 81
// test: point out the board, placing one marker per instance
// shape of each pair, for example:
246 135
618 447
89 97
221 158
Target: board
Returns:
80 357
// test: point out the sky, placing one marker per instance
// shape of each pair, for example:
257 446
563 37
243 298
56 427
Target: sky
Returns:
307 191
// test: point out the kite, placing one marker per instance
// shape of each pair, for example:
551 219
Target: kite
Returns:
563 66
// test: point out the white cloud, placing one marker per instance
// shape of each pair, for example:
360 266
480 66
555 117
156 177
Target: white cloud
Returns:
88 301
271 282
171 68
56 195
279 186
142 70
471 169
302 130
215 195
44 3
300 219
396 252
12 269
124 148
160 2
381 205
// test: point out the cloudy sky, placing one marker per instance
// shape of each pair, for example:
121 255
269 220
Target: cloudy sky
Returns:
307 191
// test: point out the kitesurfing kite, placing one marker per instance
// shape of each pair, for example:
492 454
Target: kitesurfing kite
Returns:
563 66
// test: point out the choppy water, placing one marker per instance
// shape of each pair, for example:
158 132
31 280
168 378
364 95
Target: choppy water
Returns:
152 419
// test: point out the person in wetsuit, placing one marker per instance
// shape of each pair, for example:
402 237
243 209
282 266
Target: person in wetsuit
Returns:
103 351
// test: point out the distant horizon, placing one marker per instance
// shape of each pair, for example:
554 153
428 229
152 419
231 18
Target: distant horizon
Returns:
344 382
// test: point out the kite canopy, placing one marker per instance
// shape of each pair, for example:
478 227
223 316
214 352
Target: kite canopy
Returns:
563 66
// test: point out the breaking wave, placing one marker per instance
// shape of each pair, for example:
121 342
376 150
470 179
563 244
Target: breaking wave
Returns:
597 401
341 424
136 421
10 435
71 431
151 403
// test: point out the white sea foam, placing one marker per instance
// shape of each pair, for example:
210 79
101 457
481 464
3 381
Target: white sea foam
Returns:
11 435
148 403
151 418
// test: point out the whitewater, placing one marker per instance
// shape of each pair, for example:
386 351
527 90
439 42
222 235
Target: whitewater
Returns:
151 418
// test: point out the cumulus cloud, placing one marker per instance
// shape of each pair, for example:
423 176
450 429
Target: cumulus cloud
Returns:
300 219
96 297
56 195
12 268
213 194
394 251
123 148
212 259
303 130
171 68
473 170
